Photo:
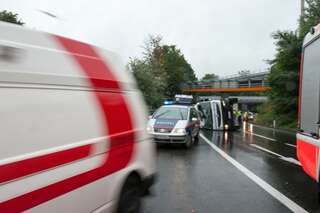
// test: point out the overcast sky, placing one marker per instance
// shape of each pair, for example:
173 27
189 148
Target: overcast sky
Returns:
216 36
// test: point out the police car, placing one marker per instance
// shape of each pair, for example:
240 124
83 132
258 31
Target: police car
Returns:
178 123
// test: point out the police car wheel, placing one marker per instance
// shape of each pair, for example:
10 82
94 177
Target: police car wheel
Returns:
130 198
189 142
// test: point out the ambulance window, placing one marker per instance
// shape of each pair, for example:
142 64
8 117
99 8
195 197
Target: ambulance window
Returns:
310 88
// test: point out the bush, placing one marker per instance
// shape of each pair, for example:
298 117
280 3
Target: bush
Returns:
266 115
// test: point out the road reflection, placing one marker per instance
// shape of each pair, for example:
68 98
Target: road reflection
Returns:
266 152
223 140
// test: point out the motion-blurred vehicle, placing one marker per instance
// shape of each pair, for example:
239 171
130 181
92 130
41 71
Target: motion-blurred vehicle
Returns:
175 124
72 137
216 115
308 141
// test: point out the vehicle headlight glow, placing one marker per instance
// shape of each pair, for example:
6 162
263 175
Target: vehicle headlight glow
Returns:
226 126
149 129
180 130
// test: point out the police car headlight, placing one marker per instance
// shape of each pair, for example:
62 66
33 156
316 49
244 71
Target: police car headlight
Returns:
180 131
149 129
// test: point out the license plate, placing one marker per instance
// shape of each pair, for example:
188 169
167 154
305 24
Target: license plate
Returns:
164 137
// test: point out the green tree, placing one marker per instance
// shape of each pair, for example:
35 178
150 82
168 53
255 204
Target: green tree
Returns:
10 17
284 75
311 17
147 82
177 70
209 77
161 72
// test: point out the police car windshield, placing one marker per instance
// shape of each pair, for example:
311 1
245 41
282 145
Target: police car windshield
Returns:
172 113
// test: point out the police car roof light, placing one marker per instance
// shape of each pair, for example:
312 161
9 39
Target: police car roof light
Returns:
166 102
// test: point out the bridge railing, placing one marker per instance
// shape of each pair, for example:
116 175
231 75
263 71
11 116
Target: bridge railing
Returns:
242 76
226 85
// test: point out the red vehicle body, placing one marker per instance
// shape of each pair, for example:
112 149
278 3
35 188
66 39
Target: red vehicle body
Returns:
308 138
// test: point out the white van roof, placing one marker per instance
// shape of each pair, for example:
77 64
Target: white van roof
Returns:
33 57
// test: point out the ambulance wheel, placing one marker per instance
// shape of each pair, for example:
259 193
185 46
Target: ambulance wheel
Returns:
189 142
196 139
130 198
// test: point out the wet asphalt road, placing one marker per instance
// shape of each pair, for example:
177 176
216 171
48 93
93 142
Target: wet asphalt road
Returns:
200 180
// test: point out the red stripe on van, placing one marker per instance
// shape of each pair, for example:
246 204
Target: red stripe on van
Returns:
25 167
117 121
95 68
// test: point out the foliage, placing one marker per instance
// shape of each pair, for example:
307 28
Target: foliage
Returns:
311 16
161 72
284 75
146 82
10 17
209 77
266 115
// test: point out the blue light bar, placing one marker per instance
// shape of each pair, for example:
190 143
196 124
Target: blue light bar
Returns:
168 102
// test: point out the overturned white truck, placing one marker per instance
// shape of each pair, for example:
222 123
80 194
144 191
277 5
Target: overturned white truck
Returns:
217 114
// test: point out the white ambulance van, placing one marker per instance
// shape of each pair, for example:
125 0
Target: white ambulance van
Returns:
73 127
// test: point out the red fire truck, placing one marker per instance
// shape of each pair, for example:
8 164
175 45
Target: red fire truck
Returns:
308 136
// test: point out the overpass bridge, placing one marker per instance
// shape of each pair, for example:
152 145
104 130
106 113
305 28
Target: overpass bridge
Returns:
241 99
251 82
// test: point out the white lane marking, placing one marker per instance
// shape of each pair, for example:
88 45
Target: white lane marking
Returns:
264 185
288 159
261 136
271 139
288 144
266 150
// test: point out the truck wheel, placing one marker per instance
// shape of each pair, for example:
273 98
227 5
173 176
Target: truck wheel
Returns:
189 142
130 198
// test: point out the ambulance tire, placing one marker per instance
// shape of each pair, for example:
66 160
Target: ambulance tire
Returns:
130 198
189 142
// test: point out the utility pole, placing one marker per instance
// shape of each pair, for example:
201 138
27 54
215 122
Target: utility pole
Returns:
302 7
